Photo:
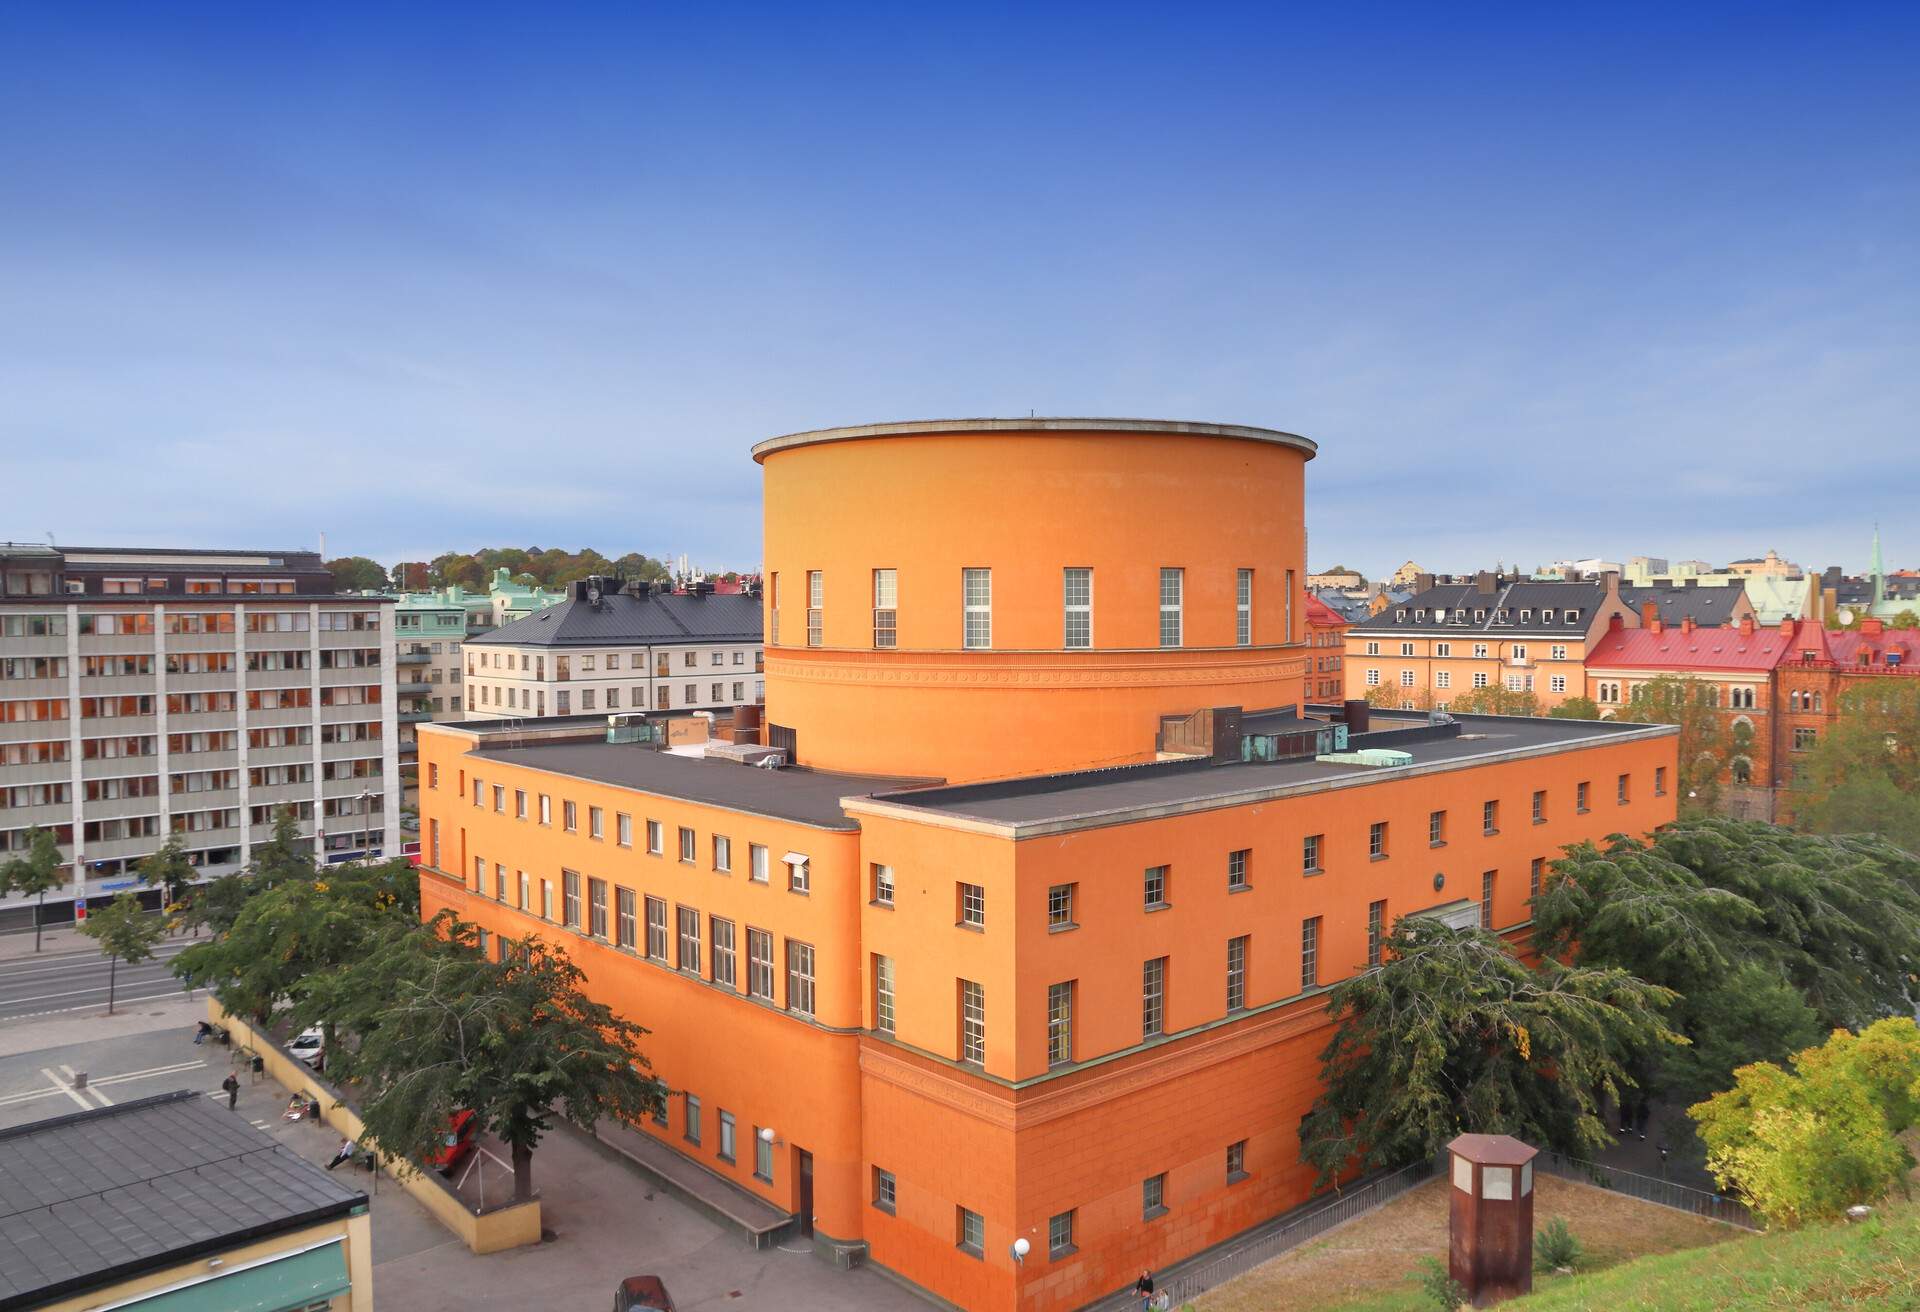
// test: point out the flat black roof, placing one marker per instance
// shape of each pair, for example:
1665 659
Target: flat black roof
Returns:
810 797
1094 794
102 1196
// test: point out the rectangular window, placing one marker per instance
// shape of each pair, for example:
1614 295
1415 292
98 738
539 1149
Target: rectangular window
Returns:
756 863
623 828
1236 973
1154 888
546 809
725 1150
1310 952
1490 817
722 853
970 1232
1486 900
689 845
762 1157
886 1193
1376 931
1436 828
1077 604
692 1130
973 1022
1804 739
815 607
500 799
479 874
882 885
597 907
1659 781
799 873
656 837
1377 839
1310 854
1622 792
883 993
570 898
721 961
1172 606
1534 873
886 603
1060 906
1059 1023
759 964
520 804
1580 798
1286 601
500 883
1153 1197
1243 608
626 918
1153 998
976 589
596 822
1236 1161
689 942
570 817
526 891
1240 870
1540 806
1060 1235
972 900
657 929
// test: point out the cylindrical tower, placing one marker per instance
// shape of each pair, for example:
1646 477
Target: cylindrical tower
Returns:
986 598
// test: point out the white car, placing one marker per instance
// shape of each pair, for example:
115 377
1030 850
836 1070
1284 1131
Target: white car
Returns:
308 1046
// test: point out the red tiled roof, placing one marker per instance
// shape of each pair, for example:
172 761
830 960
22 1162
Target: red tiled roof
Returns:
1902 644
1719 648
1322 616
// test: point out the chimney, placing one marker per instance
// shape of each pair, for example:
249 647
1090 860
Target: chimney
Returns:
1746 626
1686 624
1423 582
1616 622
1650 616
1872 626
1484 583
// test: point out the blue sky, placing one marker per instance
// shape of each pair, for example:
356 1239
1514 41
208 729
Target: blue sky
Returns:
1542 281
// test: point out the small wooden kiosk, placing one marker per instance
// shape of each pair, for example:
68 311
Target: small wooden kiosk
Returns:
1490 1221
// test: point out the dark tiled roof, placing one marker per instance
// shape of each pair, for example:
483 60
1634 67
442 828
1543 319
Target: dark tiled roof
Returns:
623 618
1704 605
99 1196
1531 596
810 797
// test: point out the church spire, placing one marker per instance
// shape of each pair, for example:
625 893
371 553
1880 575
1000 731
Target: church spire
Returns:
1879 570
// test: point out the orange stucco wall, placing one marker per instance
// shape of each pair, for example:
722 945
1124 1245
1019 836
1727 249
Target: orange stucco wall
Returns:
1026 506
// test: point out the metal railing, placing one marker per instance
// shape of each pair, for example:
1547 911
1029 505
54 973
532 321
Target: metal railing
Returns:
1649 1189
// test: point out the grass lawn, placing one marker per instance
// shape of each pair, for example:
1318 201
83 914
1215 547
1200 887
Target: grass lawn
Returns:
1365 1265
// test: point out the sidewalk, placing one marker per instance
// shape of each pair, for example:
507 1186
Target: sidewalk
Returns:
55 940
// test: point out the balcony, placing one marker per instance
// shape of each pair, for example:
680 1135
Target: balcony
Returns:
413 716
412 658
413 687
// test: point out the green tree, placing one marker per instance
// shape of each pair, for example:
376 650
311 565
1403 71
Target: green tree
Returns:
168 869
1688 703
125 932
358 574
35 874
1495 700
1454 1033
1576 708
518 1041
286 855
1806 1144
1863 775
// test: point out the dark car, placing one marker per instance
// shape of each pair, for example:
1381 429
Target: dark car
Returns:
642 1294
463 1130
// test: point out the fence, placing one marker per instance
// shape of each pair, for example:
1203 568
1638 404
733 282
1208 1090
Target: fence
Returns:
1649 1189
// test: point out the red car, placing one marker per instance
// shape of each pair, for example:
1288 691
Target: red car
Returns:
642 1294
462 1136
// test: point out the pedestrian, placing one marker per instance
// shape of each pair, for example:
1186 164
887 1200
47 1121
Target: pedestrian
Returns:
232 1085
200 1035
343 1154
1144 1287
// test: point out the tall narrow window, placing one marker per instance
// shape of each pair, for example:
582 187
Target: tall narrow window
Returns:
883 994
1153 997
1077 589
570 898
800 977
882 885
689 958
1243 608
597 907
1059 1023
1153 887
1240 870
773 609
1534 873
976 586
722 959
1376 930
1236 973
1486 900
886 604
1287 601
759 964
1310 952
627 918
816 589
971 902
1172 594
973 1022
657 929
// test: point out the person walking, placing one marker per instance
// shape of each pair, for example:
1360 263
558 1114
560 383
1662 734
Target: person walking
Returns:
1144 1287
343 1154
232 1085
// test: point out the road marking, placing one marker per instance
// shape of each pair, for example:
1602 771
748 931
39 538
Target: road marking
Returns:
41 968
70 993
73 1081
89 1006
14 1099
54 1080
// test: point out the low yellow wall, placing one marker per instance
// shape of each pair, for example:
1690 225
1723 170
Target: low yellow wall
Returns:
514 1226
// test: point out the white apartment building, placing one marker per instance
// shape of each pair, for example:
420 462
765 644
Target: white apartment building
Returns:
609 648
145 693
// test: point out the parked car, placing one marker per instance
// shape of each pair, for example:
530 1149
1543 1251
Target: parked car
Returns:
642 1294
463 1133
309 1046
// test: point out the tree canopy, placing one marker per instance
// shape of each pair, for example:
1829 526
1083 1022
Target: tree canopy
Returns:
1863 775
125 932
1576 708
1495 699
1703 749
1455 1033
35 874
546 567
358 574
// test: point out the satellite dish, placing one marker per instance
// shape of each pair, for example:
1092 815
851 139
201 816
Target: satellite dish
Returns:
1845 616
593 596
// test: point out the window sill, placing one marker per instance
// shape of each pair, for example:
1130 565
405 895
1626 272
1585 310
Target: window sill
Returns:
879 1206
799 892
1437 842
1489 833
1317 870
1581 810
1539 819
763 1179
876 902
1239 888
971 1250
1062 927
1235 1177
722 1157
1055 1254
1152 907
971 929
1376 856
1153 1213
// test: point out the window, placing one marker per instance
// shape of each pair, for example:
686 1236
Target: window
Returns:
722 853
799 873
1534 874
1154 888
1490 817
546 809
1480 679
1622 793
976 597
970 1232
1557 683
721 961
1436 828
546 899
479 874
1236 973
1310 952
596 822
1659 781
886 602
1804 739
972 911
885 1192
1539 806
656 837
1376 931
1406 649
1153 1197
597 907
1442 648
626 928
973 1022
1060 906
1243 608
1060 1023
756 863
759 964
1377 839
689 940
1060 1235
1236 1161
1580 798
1443 679
692 1130
725 1150
1310 854
1153 998
1077 602
689 845
1406 678
500 799
762 1157
1373 678
1373 649
1240 870
519 804
883 994
882 877
526 890
1486 900
569 817
1172 591
570 898
657 929
815 608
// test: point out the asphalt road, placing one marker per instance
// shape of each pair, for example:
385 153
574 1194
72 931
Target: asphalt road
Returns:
75 980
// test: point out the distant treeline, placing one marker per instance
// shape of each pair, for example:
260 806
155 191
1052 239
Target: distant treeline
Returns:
536 566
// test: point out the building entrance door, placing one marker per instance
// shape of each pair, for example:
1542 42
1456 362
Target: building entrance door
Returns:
803 1172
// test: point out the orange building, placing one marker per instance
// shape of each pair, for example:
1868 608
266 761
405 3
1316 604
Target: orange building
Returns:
1326 636
1012 979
